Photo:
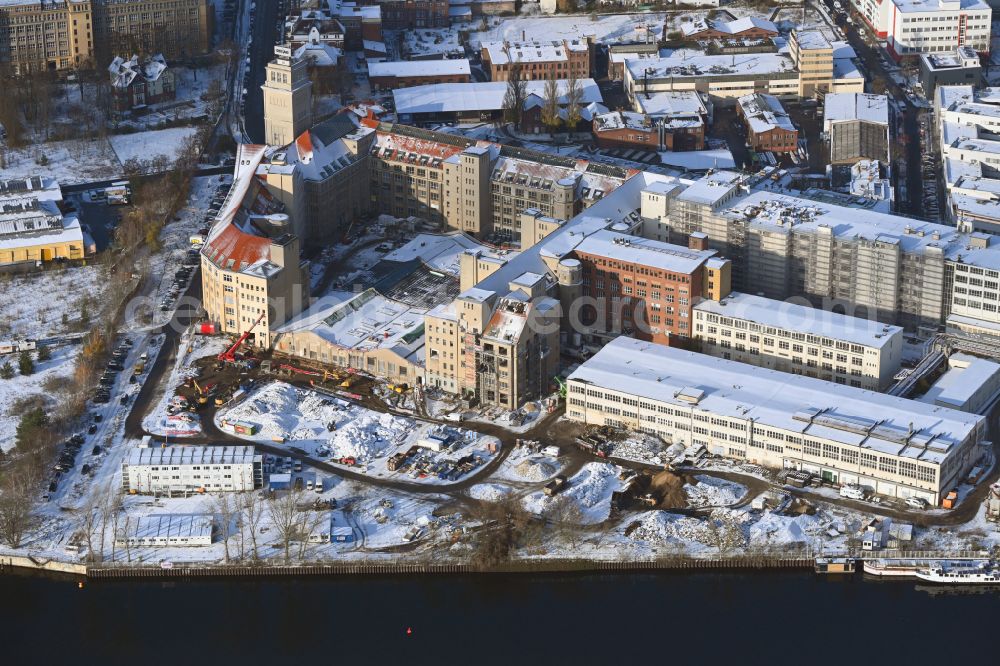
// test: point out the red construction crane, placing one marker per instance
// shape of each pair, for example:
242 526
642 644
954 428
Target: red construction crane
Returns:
229 355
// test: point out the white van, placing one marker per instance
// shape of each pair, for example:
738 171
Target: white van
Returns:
852 491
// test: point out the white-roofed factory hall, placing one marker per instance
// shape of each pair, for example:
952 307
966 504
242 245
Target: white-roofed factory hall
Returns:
893 446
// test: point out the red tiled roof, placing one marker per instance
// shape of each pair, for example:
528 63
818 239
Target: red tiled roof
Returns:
228 246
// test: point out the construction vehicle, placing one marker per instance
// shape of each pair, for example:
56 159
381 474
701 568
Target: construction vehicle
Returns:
553 487
229 356
350 461
347 383
562 386
202 394
399 388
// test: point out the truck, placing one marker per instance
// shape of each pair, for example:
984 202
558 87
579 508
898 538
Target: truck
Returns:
140 367
12 346
852 491
554 486
118 194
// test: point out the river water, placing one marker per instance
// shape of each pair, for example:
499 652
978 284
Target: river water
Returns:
772 618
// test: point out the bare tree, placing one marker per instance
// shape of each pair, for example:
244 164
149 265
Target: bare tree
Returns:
574 98
16 487
517 92
550 105
569 517
252 507
224 509
284 514
122 534
311 521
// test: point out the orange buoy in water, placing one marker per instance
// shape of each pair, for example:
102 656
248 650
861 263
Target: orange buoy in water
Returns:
80 585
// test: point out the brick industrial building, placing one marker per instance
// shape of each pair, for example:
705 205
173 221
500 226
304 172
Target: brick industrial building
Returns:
66 34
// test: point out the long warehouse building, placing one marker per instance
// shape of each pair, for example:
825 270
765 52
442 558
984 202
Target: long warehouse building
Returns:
186 470
894 446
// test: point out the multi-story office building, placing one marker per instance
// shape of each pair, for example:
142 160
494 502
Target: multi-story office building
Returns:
853 260
185 470
728 77
893 446
813 56
496 347
253 278
538 61
322 178
911 27
801 339
963 67
647 288
37 35
408 14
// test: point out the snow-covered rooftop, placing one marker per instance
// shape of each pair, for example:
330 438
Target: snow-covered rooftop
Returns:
797 403
966 376
781 212
802 318
618 120
408 68
502 53
442 252
812 40
856 106
692 66
644 252
764 113
711 188
124 72
477 96
193 455
928 6
680 102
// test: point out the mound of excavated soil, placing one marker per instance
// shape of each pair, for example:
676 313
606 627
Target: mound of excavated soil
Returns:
669 487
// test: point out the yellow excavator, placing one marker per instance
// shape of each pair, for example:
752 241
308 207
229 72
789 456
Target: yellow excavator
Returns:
202 397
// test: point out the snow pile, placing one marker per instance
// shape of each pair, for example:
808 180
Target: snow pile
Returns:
642 448
710 491
368 436
489 492
284 412
590 490
720 531
593 484
534 470
775 529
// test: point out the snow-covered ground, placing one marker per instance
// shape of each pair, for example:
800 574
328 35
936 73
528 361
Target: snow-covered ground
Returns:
40 383
712 491
160 420
590 489
146 146
83 160
69 162
330 428
40 318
